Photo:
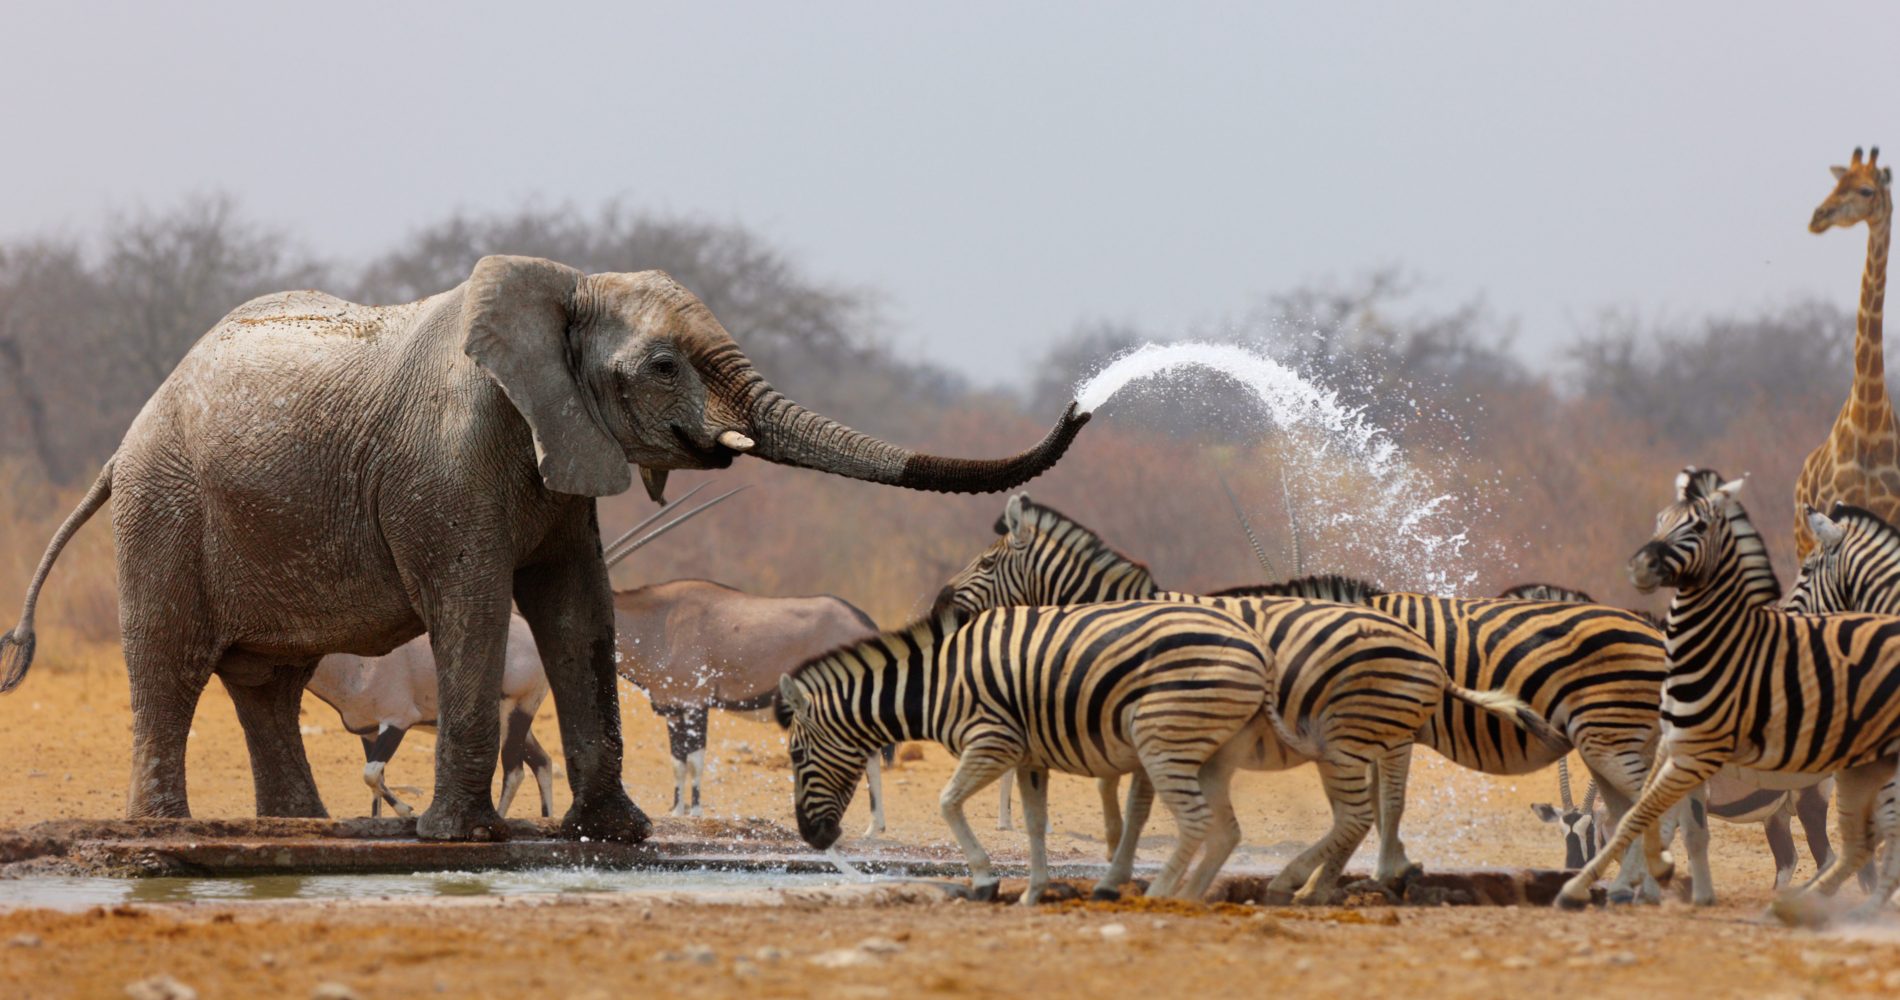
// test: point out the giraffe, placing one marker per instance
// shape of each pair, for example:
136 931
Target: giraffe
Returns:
1859 463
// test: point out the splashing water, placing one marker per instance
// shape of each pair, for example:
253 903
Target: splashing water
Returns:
1357 493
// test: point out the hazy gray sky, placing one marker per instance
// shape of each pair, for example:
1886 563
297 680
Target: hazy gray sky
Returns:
1000 170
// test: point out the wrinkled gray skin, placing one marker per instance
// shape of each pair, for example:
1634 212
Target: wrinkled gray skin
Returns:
318 476
381 698
692 645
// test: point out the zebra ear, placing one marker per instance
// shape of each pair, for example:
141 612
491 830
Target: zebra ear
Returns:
1683 479
1732 487
1828 533
1014 521
791 696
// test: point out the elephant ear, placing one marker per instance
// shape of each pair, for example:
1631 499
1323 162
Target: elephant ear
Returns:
515 316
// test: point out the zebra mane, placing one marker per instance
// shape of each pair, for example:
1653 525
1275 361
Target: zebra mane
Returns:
1076 538
1327 587
1885 535
1547 592
1758 572
924 631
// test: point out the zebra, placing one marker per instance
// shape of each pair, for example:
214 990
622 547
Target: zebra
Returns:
1732 796
1170 691
1855 565
1592 674
1354 684
1754 685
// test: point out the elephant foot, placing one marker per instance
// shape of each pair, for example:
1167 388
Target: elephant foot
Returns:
611 816
299 804
158 807
477 822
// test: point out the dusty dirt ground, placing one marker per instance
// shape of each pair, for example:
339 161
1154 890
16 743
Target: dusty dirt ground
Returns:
66 738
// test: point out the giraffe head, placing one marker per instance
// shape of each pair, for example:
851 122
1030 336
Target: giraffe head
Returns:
1860 194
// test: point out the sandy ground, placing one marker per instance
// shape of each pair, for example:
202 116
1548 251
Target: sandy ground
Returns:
66 737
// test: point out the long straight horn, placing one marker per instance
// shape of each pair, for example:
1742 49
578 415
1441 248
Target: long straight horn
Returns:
1563 782
670 525
1590 796
1293 526
1259 551
650 518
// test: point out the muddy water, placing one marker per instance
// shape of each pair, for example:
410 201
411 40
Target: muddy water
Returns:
80 892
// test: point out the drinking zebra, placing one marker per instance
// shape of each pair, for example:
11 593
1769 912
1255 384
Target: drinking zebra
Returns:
1354 686
1170 691
1592 674
1754 685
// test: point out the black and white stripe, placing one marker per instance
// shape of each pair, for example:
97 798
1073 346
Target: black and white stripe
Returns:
1756 686
1355 686
1175 693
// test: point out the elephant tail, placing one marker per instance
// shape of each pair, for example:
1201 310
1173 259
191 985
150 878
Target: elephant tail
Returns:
16 647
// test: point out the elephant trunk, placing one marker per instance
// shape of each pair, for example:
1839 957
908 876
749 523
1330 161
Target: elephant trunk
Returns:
787 433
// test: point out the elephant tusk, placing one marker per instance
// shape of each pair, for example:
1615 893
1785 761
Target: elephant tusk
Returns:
735 440
655 481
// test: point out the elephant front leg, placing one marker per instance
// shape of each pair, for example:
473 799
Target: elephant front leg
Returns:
569 606
467 638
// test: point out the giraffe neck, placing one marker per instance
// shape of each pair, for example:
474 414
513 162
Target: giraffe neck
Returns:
1870 368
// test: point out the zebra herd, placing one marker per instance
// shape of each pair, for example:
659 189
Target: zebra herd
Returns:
1052 651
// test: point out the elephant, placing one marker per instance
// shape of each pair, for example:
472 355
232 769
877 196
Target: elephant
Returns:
318 476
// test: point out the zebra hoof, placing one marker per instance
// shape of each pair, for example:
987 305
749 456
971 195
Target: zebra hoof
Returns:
985 893
1620 897
1105 894
1572 905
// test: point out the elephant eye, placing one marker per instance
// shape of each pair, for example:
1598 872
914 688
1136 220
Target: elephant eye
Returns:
663 366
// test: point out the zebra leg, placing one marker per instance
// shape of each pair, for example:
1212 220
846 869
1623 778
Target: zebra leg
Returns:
1179 790
1854 793
1002 806
1620 779
1390 775
1033 782
1668 783
1886 827
1141 800
1316 871
1109 788
982 762
1224 831
874 785
1695 837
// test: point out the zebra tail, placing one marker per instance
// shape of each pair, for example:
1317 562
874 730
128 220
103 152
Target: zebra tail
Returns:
1505 703
1299 744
